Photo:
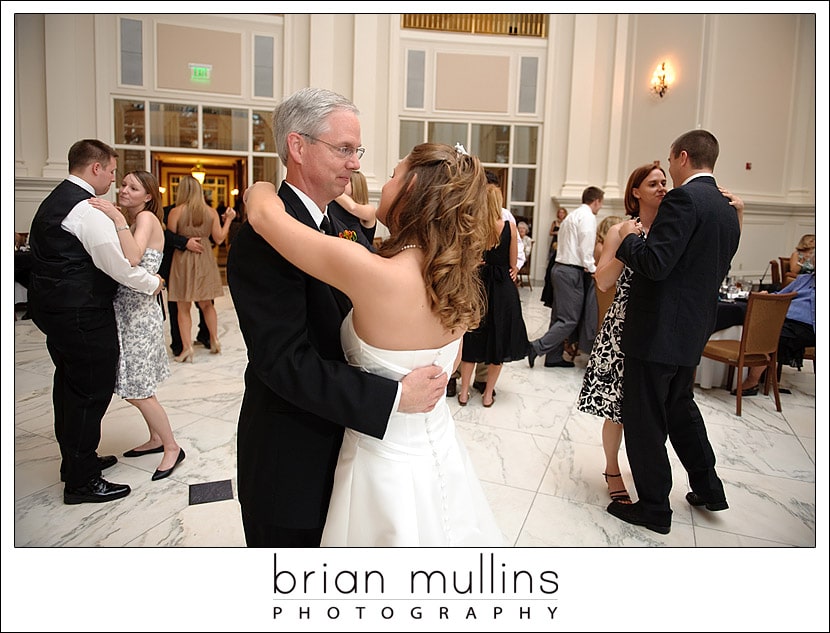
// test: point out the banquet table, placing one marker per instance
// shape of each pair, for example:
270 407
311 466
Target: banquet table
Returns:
728 325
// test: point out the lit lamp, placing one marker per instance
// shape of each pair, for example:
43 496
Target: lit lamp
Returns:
198 173
162 190
661 79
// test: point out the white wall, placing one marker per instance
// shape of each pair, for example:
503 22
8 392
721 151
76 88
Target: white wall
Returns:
748 78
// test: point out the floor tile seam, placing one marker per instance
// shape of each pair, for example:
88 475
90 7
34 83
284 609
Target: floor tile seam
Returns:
724 468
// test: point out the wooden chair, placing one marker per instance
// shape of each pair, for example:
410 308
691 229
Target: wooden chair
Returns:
758 347
787 276
775 269
810 354
523 277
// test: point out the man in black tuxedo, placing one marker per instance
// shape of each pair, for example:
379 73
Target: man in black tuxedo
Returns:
669 317
299 391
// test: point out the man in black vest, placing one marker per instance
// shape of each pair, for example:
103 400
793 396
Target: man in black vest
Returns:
77 264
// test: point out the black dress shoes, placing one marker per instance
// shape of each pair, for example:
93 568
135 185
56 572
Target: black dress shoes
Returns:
161 474
531 356
696 500
97 490
480 386
107 461
560 363
633 513
104 462
452 388
134 453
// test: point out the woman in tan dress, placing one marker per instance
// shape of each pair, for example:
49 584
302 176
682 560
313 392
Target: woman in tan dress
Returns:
195 276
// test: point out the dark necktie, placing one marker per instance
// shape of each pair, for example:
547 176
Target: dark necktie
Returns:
325 226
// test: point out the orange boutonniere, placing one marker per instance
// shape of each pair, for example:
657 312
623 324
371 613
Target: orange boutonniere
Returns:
348 235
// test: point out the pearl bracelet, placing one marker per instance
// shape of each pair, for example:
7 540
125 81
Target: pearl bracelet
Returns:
122 228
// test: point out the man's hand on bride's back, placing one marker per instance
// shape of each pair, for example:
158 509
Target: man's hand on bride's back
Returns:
422 388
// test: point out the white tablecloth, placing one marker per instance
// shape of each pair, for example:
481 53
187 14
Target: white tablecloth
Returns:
711 373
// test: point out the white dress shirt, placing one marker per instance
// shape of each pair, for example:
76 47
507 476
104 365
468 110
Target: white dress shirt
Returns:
577 237
99 238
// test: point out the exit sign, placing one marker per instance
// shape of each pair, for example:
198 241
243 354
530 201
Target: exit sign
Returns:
200 73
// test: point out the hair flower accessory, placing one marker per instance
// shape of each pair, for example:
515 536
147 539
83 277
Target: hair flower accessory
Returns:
460 149
348 235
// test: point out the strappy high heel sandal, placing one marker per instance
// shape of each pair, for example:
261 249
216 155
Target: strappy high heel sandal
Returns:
215 347
620 496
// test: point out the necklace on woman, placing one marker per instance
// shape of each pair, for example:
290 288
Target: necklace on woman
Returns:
403 248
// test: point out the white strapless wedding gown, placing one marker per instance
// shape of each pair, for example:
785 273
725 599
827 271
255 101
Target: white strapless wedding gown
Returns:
416 486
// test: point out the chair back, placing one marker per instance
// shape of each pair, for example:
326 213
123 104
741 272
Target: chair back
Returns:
765 314
604 300
523 276
785 267
775 269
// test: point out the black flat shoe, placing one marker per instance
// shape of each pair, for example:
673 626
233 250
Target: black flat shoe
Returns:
452 388
161 474
107 461
96 490
560 363
696 500
149 451
480 386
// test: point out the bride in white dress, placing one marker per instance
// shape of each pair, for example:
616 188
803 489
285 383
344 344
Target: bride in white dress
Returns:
412 303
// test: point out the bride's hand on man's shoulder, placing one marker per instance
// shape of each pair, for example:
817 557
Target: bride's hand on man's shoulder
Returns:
107 208
261 200
260 186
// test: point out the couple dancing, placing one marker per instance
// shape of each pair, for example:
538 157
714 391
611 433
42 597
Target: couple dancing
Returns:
350 347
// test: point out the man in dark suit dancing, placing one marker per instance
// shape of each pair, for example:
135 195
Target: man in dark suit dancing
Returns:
299 392
669 317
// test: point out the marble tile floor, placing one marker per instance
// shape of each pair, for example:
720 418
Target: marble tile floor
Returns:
540 459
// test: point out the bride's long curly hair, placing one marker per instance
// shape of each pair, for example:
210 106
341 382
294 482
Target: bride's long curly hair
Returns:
442 208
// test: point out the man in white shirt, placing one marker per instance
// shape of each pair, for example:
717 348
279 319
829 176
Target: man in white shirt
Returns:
571 277
77 264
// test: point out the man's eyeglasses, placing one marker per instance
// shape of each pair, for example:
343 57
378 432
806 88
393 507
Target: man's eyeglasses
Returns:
344 152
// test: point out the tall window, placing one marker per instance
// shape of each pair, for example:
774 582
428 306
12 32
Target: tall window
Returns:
510 151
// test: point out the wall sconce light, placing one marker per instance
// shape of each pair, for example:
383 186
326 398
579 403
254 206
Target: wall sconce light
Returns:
198 173
234 192
662 78
162 190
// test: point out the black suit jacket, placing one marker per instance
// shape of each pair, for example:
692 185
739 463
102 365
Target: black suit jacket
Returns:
172 241
335 210
299 392
677 272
